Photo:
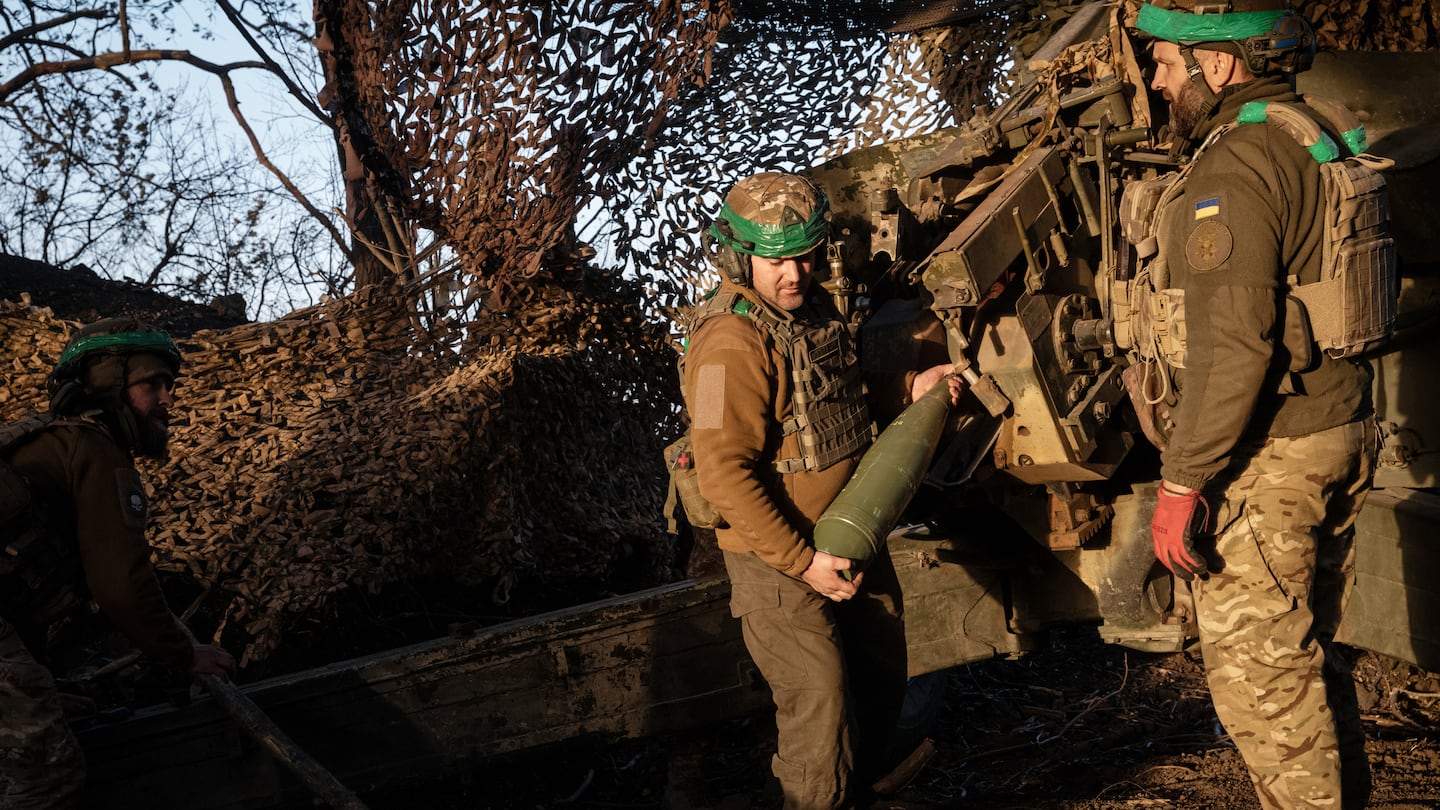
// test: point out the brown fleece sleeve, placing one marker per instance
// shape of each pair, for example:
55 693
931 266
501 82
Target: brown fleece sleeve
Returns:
731 388
110 516
1229 264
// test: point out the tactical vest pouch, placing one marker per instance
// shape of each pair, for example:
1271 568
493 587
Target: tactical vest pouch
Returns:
1299 340
1139 206
1143 385
1170 325
1352 305
1122 313
685 489
39 576
1158 323
1143 317
831 416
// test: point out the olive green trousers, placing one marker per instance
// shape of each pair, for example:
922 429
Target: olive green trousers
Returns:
836 671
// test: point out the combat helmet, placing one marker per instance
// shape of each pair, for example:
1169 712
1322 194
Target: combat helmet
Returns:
101 360
770 214
1268 35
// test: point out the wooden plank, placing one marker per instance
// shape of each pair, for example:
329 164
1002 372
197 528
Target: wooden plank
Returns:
643 664
660 660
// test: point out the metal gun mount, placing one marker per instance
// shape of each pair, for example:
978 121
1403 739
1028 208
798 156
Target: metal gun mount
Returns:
999 241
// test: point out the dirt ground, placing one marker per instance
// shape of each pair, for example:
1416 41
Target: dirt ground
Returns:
1077 726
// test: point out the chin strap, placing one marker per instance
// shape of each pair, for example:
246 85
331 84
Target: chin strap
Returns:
1197 75
1180 144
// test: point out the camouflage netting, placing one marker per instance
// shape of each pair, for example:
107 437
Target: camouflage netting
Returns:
324 451
1374 25
494 409
794 86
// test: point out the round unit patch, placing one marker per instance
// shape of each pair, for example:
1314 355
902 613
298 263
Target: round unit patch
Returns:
1209 245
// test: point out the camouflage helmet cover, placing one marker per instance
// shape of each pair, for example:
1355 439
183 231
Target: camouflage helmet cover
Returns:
774 215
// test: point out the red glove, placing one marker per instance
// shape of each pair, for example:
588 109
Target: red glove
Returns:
1170 530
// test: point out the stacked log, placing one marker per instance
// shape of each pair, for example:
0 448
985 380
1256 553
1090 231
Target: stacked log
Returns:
356 444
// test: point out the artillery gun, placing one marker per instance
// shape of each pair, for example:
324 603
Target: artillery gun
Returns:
1001 240
993 243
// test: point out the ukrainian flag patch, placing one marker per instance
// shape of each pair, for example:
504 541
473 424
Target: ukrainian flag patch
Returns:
1207 208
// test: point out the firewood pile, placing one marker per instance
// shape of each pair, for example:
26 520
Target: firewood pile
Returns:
356 443
32 340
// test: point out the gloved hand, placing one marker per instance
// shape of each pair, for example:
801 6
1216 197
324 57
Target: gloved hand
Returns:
1171 531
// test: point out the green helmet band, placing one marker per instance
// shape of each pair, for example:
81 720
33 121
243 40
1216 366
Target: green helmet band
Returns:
1180 26
122 343
772 241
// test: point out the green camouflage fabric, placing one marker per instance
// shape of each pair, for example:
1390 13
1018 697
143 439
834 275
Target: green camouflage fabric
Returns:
41 766
1282 571
776 215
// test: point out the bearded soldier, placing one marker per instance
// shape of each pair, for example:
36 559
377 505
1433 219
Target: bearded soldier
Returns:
1273 444
111 395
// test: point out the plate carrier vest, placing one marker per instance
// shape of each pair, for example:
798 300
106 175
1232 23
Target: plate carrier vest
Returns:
1349 308
830 413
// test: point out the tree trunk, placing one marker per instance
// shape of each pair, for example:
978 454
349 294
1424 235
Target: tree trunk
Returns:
362 199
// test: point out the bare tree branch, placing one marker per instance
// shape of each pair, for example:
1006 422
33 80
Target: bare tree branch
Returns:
125 30
290 186
75 63
60 46
295 90
22 34
381 254
106 61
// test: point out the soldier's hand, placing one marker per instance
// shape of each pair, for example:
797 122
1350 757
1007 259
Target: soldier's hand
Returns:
1172 531
824 577
932 376
212 660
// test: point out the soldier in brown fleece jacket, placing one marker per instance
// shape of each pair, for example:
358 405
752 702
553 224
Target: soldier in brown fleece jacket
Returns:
779 422
112 392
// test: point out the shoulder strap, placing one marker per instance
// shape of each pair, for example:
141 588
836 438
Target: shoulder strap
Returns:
1345 122
33 424
1297 124
728 302
17 432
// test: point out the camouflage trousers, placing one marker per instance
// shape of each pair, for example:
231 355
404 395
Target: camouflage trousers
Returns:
41 765
836 672
1283 570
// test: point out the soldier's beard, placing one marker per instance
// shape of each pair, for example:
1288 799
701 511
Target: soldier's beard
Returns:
1186 111
152 436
